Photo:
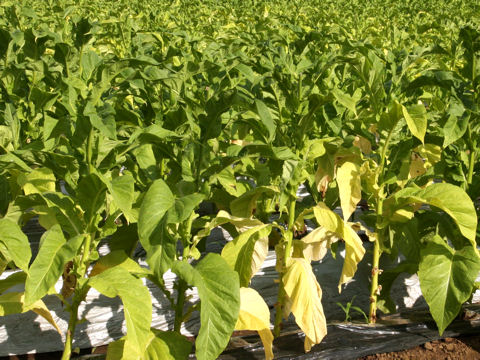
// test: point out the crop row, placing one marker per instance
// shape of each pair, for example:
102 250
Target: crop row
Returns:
117 121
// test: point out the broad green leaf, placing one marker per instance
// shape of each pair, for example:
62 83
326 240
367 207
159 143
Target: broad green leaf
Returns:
416 118
255 315
354 250
38 181
184 207
447 278
122 191
165 345
349 187
48 265
247 252
266 118
137 304
456 124
305 300
160 248
13 303
17 247
447 197
91 195
219 292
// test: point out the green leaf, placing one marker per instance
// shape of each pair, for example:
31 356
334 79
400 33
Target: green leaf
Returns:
48 266
447 278
17 247
164 345
219 291
447 197
184 207
122 190
160 248
91 195
137 304
416 118
266 118
38 181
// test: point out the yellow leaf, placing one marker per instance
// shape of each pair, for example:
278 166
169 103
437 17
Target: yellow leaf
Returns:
363 144
354 250
255 315
41 309
305 300
417 166
349 187
430 153
317 243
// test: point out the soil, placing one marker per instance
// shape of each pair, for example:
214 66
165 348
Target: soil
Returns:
461 348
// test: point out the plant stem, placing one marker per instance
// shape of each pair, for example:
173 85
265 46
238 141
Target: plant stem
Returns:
72 323
90 151
182 287
288 247
471 166
374 285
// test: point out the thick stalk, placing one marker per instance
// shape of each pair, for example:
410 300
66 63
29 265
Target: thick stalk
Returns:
374 287
182 287
288 247
72 323
79 295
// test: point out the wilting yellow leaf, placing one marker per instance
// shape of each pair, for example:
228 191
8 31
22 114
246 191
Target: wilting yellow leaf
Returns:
363 144
317 243
354 250
41 309
14 303
430 153
417 166
305 300
255 315
247 252
349 187
324 173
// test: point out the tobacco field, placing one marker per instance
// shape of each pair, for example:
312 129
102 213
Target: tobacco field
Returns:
120 121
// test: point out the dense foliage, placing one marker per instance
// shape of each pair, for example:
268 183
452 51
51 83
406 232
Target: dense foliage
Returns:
118 120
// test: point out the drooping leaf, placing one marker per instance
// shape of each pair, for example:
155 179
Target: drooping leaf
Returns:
16 245
349 187
305 300
354 249
244 205
447 197
317 243
13 303
447 278
246 253
266 118
219 291
122 190
48 265
255 315
16 278
137 303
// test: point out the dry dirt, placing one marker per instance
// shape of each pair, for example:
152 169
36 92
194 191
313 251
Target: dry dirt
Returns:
462 348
